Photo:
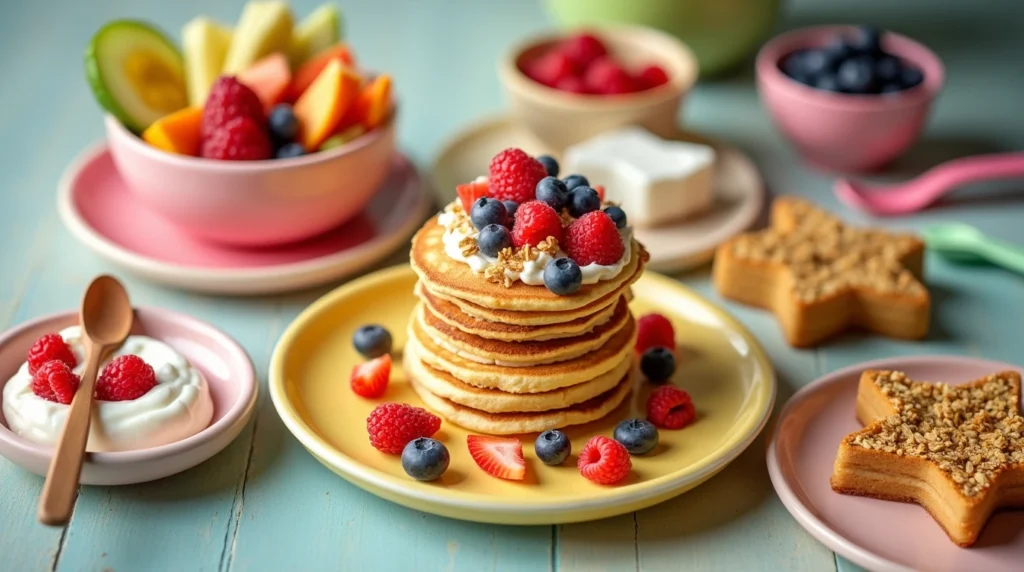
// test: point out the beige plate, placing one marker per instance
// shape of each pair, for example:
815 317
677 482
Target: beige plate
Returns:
739 192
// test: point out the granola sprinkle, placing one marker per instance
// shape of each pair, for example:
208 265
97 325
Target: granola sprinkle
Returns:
970 432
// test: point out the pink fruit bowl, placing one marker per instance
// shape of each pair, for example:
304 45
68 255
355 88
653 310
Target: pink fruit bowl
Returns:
255 203
842 131
225 365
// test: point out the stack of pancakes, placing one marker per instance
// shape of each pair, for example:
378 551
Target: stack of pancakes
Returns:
517 359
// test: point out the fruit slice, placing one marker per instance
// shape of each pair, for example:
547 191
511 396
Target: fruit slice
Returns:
319 31
135 72
323 105
469 193
205 44
263 28
178 132
370 379
372 106
308 72
500 457
339 139
269 78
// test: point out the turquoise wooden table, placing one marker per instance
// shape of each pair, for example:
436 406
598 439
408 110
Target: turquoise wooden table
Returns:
264 503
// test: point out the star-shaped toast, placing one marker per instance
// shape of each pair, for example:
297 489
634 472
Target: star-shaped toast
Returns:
958 451
820 276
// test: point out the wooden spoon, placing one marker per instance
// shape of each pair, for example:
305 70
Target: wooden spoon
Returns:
106 317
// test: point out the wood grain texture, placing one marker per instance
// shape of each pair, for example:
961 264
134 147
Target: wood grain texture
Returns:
264 503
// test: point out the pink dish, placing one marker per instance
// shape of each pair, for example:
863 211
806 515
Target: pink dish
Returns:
878 535
255 203
846 132
226 366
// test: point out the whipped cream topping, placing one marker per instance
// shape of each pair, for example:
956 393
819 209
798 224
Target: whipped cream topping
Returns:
533 270
178 406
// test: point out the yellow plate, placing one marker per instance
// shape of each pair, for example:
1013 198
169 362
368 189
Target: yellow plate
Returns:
721 365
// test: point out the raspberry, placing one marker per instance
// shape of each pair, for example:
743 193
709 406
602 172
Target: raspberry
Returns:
228 99
606 76
514 176
651 76
654 330
535 221
392 425
240 139
593 238
551 68
669 407
54 381
604 461
125 378
50 347
571 85
583 49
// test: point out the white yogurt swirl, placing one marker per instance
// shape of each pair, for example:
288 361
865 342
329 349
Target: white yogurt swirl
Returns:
178 406
533 270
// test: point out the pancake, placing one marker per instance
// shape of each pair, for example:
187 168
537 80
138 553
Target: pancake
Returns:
512 423
442 274
444 385
452 315
526 317
534 379
521 354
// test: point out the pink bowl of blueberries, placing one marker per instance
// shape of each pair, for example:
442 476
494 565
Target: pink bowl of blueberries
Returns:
849 99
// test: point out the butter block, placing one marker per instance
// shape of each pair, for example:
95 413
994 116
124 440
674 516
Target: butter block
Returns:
656 181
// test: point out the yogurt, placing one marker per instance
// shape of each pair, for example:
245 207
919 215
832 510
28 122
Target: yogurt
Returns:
533 270
178 406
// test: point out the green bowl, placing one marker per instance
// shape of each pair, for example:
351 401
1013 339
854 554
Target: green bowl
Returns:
722 33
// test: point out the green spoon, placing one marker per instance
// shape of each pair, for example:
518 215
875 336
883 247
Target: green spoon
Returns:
964 243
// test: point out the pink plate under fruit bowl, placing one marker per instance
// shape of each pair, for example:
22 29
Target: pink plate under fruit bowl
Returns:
878 535
225 365
100 210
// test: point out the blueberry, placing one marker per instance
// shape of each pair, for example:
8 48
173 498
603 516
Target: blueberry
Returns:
510 211
827 82
658 364
563 276
793 66
552 447
814 62
492 239
488 211
911 77
867 40
638 436
583 200
573 181
887 69
550 165
891 88
837 50
425 459
553 192
856 75
617 215
372 341
289 150
283 124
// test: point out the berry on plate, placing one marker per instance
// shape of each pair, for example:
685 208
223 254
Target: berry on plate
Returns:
574 180
425 459
470 192
514 175
229 99
593 239
638 436
125 378
392 425
535 222
49 347
658 364
617 215
604 461
552 191
563 276
240 139
583 200
669 407
487 211
550 164
493 239
54 381
500 457
370 379
372 340
654 330
552 447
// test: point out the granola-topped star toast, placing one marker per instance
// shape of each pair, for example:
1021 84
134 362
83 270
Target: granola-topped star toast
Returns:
958 451
820 276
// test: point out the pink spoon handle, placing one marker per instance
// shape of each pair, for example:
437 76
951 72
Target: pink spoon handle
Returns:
977 168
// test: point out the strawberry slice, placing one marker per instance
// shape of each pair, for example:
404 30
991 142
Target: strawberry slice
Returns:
500 457
469 193
370 379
